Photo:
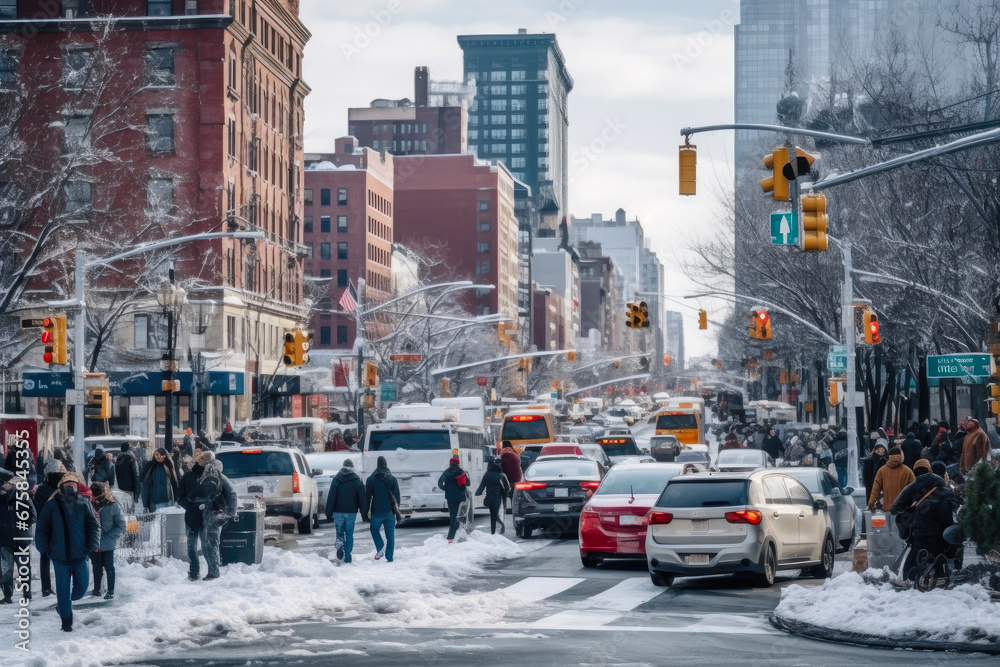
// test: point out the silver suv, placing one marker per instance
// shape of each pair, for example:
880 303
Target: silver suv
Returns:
720 523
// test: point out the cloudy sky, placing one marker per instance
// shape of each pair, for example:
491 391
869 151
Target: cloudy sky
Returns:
648 67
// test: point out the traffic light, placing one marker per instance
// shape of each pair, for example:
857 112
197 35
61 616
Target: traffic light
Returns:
571 355
993 402
524 365
814 221
666 361
296 347
783 376
445 387
644 314
54 339
702 319
776 183
801 166
633 314
371 375
872 336
302 339
760 325
688 169
718 365
98 403
834 391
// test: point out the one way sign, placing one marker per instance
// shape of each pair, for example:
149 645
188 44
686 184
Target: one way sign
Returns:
784 229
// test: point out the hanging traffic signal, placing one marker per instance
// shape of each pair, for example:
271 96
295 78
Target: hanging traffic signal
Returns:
872 327
760 325
618 364
571 355
296 347
688 169
302 339
834 391
291 351
633 315
800 166
371 375
993 402
776 183
524 365
666 361
783 376
702 319
644 314
445 387
814 222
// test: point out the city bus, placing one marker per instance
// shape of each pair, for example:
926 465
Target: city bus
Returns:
528 426
685 424
687 402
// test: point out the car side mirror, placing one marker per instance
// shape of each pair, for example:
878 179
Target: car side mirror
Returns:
820 505
316 472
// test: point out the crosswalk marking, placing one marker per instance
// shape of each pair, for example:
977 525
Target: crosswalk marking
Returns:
605 607
534 589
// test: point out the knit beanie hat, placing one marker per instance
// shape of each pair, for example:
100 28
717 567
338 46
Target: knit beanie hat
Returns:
54 465
454 461
939 468
348 463
895 451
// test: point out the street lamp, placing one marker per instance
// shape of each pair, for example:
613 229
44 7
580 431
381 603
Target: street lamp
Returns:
170 297
199 315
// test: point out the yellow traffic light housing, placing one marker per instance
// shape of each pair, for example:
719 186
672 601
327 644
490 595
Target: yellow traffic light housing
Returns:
633 315
776 183
371 375
644 314
571 355
618 364
291 350
502 336
834 391
98 396
783 376
666 361
302 339
760 325
814 223
872 328
296 347
445 388
524 365
702 319
688 169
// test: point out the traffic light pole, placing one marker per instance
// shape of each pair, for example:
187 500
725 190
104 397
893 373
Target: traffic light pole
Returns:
359 344
850 393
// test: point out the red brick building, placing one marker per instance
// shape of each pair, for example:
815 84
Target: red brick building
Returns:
171 118
349 226
465 207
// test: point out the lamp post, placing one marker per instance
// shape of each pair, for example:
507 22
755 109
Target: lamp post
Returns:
169 297
199 315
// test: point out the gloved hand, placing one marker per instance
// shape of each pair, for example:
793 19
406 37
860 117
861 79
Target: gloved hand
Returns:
234 518
202 506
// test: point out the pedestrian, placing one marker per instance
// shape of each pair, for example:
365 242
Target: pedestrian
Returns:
227 433
127 471
194 524
934 511
958 442
216 498
54 471
892 478
14 529
975 448
345 499
159 481
941 449
510 462
453 482
772 445
187 449
497 488
795 451
382 498
67 532
112 521
912 448
871 465
100 469
840 456
350 439
825 456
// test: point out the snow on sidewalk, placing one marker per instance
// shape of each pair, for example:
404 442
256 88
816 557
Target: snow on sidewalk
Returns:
846 604
157 608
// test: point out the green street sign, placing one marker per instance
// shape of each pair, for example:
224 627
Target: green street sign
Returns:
784 228
388 391
962 366
836 359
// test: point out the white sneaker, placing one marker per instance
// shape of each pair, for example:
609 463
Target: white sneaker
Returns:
381 552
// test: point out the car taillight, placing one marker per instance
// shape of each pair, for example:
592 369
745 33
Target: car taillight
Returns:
590 485
250 451
529 486
752 517
295 483
659 518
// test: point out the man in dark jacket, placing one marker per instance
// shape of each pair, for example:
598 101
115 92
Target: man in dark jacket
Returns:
840 456
194 523
67 532
933 514
101 469
870 467
453 482
54 471
13 531
216 498
497 488
772 444
345 499
127 471
380 491
911 450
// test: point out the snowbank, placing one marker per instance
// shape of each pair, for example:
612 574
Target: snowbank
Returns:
846 604
157 608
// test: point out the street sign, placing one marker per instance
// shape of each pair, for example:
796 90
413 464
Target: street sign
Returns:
29 323
483 381
784 228
960 366
405 357
836 360
388 391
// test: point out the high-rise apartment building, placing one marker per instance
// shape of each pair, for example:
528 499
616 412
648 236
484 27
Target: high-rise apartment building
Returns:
520 113
675 340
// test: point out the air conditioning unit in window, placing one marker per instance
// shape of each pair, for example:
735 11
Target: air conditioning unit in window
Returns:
71 13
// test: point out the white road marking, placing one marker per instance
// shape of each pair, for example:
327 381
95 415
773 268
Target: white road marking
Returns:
534 589
605 607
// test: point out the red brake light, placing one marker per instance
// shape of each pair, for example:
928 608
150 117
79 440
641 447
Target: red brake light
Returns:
611 441
659 518
752 517
529 486
589 485
251 451
296 487
526 418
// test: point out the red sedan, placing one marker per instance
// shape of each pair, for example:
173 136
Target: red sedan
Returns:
613 522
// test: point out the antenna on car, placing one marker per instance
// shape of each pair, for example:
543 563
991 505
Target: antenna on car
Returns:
632 499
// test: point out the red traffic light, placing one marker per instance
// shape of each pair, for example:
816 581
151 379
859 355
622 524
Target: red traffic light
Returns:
874 327
47 337
763 317
48 357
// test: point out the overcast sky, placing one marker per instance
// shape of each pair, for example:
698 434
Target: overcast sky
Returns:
642 69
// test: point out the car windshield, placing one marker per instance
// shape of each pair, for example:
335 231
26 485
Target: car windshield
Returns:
387 441
236 465
620 447
593 452
571 468
728 456
691 457
676 422
704 493
639 481
809 478
536 429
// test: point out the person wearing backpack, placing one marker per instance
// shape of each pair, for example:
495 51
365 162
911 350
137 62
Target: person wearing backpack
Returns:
453 482
934 507
343 502
113 526
216 497
382 497
127 471
497 488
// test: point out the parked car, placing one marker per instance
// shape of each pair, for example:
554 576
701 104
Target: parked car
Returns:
279 475
844 512
742 460
619 447
721 523
613 523
553 492
664 447
329 464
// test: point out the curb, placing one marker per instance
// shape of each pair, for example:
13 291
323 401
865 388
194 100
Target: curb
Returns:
858 639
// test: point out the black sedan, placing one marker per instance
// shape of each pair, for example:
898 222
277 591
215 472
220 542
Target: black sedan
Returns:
552 494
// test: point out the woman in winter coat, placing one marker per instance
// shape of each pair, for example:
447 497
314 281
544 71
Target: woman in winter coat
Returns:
453 482
159 482
497 488
510 462
112 527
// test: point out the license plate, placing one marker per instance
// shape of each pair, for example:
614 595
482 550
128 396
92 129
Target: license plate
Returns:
698 559
560 508
255 488
699 526
561 493
629 520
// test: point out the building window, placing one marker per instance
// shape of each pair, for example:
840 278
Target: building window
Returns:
473 134
341 277
324 223
518 105
498 90
519 90
76 68
160 67
159 7
76 133
232 137
498 148
324 198
159 197
324 335
482 268
484 226
342 250
325 273
160 133
483 246
342 197
517 163
8 9
517 119
144 332
231 332
517 75
498 76
484 204
308 197
498 105
341 223
78 196
341 335
324 251
498 134
543 104
9 65
518 148
498 119
307 224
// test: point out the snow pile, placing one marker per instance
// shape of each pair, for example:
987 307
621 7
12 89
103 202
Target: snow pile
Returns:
157 608
847 604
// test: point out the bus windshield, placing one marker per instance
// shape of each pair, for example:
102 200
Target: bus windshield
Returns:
676 422
536 428
385 441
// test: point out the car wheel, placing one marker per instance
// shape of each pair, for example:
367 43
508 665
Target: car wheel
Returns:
825 569
661 580
766 578
590 561
523 531
305 525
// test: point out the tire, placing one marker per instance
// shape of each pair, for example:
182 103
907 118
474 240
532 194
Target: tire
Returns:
305 525
765 579
523 531
825 569
590 561
661 580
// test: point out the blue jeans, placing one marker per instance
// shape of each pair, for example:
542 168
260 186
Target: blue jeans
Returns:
212 533
344 523
45 567
75 570
389 522
842 475
192 539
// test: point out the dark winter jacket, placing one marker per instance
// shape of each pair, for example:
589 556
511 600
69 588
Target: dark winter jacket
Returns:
380 484
67 529
511 464
772 445
158 483
193 515
9 510
347 495
215 495
127 472
870 467
453 493
839 449
935 512
911 451
102 470
109 513
45 490
496 485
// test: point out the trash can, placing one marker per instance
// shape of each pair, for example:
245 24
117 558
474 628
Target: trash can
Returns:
174 534
884 544
242 541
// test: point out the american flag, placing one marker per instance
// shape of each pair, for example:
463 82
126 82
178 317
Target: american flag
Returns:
349 301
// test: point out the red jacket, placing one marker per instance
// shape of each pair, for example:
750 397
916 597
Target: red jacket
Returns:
511 464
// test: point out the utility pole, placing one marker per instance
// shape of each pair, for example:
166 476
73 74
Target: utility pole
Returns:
79 360
168 367
359 346
847 319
